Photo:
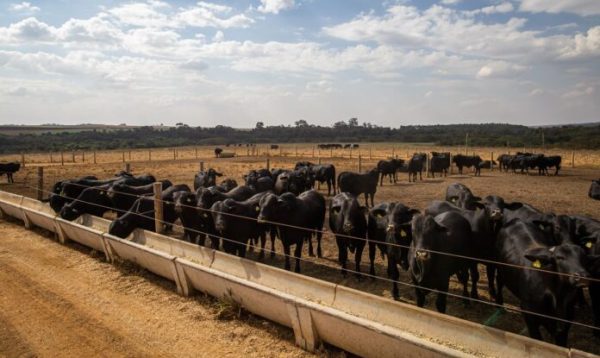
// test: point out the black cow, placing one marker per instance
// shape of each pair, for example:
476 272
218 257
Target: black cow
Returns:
9 169
522 244
429 267
415 165
389 168
260 180
460 195
323 173
69 190
218 152
389 228
236 222
356 184
227 185
439 163
504 161
594 192
189 215
93 201
347 221
123 196
141 214
484 223
206 179
303 214
551 161
468 161
274 146
208 196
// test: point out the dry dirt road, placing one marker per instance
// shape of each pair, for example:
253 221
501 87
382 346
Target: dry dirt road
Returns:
58 301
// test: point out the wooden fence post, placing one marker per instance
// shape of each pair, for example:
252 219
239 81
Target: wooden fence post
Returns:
268 164
51 159
450 163
83 157
359 163
158 207
393 151
40 183
123 156
313 154
127 168
572 159
370 152
73 156
296 151
23 160
174 154
129 154
331 152
427 165
350 151
94 157
62 158
492 161
201 166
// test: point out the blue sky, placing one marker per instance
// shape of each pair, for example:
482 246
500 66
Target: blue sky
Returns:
238 62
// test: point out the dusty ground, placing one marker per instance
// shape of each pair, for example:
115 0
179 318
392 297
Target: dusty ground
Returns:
566 193
58 301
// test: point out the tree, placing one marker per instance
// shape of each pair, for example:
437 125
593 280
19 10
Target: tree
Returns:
260 125
340 124
353 122
301 123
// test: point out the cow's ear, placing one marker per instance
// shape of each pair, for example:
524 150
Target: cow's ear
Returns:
513 206
543 225
539 256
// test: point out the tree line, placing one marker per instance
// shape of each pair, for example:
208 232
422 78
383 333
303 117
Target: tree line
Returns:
493 134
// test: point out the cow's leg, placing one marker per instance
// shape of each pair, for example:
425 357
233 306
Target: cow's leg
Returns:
394 274
366 200
310 246
491 273
474 280
298 254
263 242
241 249
440 302
358 257
372 198
595 296
319 237
533 326
420 296
286 252
499 287
372 249
342 253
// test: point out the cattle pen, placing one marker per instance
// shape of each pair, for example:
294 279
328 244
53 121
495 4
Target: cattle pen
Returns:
392 324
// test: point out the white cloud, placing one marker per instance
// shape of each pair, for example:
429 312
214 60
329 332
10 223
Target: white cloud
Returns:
219 36
579 7
29 29
501 8
275 6
449 2
583 45
499 69
24 7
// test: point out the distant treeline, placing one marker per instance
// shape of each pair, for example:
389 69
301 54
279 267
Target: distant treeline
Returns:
573 137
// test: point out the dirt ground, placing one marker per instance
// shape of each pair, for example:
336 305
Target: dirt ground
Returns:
566 193
58 301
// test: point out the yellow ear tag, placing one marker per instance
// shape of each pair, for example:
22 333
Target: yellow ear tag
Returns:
536 264
379 216
257 209
542 227
205 215
453 200
589 244
403 233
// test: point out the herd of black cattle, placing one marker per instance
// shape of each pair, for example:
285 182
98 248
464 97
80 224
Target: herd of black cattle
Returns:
544 259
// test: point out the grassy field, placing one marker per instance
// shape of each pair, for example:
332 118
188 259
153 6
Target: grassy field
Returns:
566 193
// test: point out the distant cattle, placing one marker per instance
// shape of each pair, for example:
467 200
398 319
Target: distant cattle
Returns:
218 152
487 164
356 184
415 165
330 146
439 163
389 168
551 161
467 161
594 192
274 146
9 169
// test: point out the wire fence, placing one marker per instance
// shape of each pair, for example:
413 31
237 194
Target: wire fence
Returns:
389 280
